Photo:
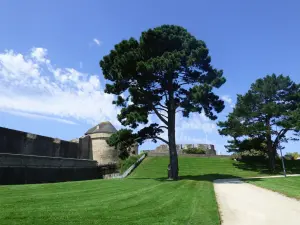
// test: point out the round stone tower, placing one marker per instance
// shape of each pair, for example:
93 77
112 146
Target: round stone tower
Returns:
102 152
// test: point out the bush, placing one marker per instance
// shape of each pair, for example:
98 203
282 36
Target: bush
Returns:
126 163
250 156
194 151
292 156
143 153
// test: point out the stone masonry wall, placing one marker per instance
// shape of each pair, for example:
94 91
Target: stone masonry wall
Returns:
102 152
210 149
30 158
19 142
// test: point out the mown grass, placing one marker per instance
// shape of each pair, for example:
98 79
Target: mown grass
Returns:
289 186
145 197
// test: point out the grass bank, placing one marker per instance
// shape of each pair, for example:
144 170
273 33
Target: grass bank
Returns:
145 197
289 186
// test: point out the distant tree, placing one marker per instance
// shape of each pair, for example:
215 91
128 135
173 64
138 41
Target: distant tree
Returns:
292 155
168 70
263 116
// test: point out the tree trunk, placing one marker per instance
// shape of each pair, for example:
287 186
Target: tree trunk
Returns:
171 135
271 152
272 156
173 150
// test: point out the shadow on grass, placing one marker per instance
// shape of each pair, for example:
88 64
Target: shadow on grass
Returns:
204 177
292 167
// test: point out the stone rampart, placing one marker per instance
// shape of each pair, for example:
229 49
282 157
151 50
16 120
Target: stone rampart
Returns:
27 169
18 160
209 149
154 154
19 142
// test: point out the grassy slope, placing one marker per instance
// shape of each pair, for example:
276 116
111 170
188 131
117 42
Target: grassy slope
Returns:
143 198
289 186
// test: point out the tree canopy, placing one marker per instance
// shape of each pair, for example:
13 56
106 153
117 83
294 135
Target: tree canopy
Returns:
165 72
263 116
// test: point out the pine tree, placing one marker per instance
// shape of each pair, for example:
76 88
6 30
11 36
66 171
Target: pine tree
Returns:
263 116
168 70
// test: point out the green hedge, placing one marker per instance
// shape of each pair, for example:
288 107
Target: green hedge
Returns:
250 156
194 151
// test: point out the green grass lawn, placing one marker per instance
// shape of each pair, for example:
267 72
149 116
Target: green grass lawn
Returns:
289 186
145 197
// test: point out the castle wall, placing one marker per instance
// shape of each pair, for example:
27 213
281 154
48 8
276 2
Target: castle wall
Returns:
19 142
155 154
85 147
164 149
31 158
25 169
102 152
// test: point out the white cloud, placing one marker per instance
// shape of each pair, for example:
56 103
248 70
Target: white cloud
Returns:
97 42
39 54
14 66
196 122
196 129
37 116
30 84
228 100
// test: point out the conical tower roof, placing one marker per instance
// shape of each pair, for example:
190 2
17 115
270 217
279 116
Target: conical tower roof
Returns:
104 127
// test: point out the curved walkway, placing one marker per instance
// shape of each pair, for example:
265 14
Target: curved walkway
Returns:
245 204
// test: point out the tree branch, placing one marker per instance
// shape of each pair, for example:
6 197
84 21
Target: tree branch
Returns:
280 135
163 140
160 116
163 106
163 127
155 137
162 109
183 84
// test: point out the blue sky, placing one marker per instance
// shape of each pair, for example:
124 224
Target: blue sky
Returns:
51 83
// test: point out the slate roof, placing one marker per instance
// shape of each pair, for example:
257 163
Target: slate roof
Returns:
104 127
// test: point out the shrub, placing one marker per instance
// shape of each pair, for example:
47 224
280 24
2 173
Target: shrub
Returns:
250 156
236 156
143 153
292 156
126 163
194 151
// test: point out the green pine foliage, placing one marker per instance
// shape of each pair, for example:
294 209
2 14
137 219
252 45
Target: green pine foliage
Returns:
264 116
164 72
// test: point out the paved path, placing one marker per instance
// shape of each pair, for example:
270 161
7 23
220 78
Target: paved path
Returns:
245 204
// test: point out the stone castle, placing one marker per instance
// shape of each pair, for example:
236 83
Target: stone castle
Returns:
164 149
32 158
94 141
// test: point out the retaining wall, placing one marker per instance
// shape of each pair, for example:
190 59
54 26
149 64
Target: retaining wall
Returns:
28 169
19 160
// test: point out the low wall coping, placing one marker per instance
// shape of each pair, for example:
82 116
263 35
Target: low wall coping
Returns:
131 168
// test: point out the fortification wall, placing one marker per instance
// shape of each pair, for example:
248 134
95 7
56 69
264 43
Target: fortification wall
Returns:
18 160
30 158
28 169
209 149
154 154
19 142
